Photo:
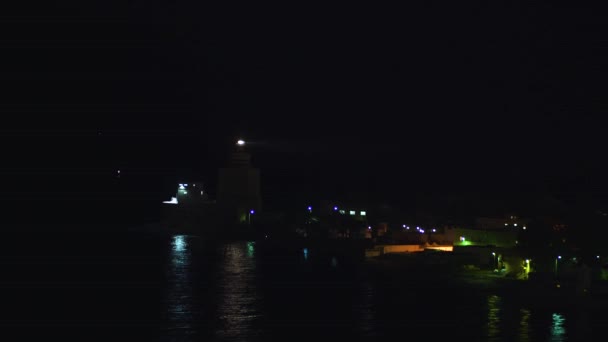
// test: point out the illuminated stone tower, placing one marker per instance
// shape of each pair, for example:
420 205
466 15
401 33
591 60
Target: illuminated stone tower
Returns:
239 186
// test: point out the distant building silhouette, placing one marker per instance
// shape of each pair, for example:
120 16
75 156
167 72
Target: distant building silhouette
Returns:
238 194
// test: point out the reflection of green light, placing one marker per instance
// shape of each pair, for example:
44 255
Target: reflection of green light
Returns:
524 327
494 316
250 248
557 327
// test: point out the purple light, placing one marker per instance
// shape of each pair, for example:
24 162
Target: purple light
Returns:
309 208
252 211
335 208
369 227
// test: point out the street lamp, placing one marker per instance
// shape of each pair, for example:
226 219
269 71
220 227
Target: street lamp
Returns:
251 212
556 259
494 254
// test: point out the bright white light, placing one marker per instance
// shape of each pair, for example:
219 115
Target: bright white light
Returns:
462 238
352 212
527 261
185 192
342 212
559 256
524 227
506 224
335 208
369 227
434 230
515 224
179 243
252 211
240 142
421 230
598 256
403 226
309 208
172 201
363 213
493 253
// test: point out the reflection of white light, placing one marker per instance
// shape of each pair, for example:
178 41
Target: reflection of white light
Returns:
179 243
172 201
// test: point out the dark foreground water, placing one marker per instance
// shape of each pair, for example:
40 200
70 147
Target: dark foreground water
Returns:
180 288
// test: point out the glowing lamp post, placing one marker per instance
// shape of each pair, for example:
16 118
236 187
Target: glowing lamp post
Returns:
556 260
251 212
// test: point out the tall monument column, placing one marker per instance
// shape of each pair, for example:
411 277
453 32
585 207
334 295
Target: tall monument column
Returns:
239 186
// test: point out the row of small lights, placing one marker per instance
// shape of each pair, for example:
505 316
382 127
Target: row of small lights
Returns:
406 227
351 212
515 225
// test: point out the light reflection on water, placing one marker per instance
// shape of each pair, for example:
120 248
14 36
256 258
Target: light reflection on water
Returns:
179 296
493 325
252 297
524 325
239 302
558 330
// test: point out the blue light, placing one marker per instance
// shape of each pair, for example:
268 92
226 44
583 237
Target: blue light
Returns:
335 208
309 208
305 250
252 211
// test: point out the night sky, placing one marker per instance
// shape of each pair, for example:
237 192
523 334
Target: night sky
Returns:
388 104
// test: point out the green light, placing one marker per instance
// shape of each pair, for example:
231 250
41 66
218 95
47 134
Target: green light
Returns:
250 248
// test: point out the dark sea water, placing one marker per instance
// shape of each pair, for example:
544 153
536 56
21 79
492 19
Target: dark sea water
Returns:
183 288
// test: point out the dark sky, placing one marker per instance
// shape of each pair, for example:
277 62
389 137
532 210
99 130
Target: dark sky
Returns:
424 99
